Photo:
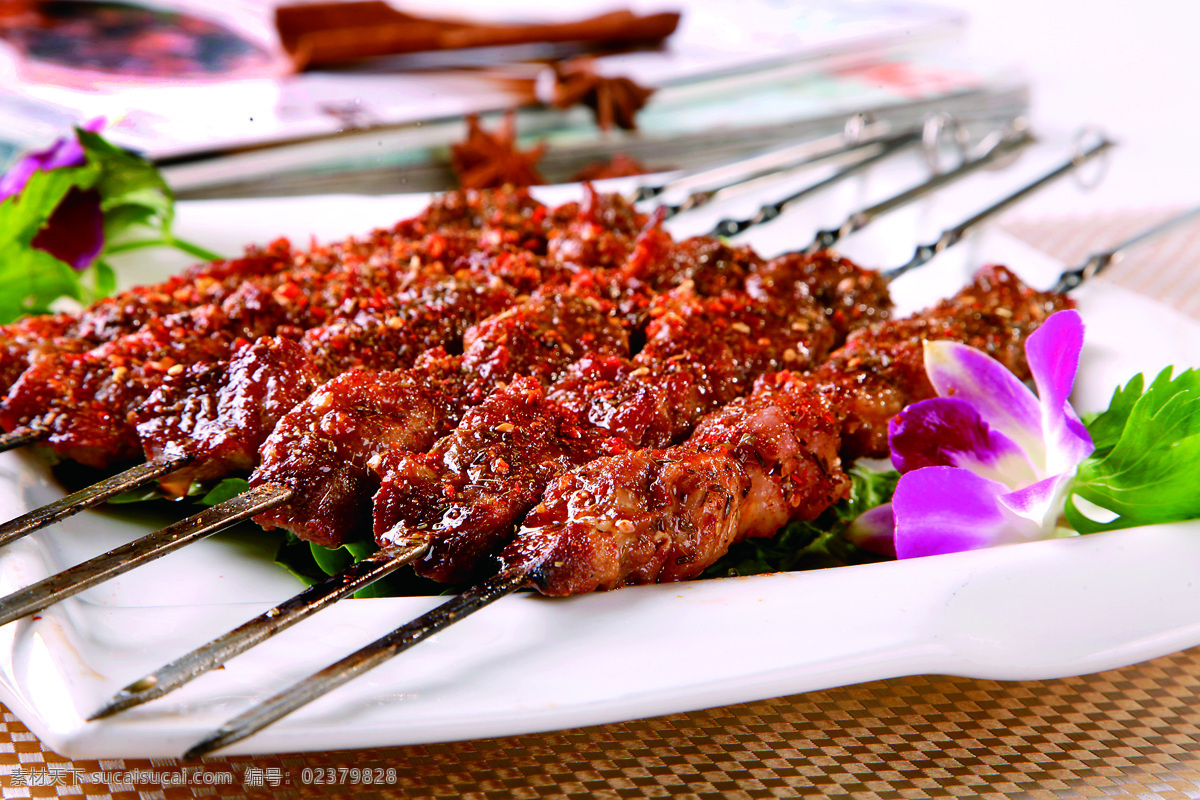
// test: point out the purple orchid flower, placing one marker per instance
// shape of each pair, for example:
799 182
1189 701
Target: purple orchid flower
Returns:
986 462
74 233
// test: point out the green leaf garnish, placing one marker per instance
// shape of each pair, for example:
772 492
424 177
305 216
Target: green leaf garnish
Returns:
1147 447
225 490
137 207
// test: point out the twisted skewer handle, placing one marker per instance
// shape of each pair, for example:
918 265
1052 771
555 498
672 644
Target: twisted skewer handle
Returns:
1098 262
768 212
952 236
706 183
860 219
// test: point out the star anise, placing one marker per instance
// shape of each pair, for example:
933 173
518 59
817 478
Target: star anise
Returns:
619 166
491 159
615 100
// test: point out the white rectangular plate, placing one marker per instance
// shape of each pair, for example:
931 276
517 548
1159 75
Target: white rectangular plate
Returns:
528 663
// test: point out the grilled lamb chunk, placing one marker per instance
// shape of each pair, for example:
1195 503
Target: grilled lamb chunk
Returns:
881 369
321 448
642 517
536 339
476 483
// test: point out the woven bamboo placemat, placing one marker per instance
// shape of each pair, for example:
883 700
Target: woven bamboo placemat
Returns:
1128 732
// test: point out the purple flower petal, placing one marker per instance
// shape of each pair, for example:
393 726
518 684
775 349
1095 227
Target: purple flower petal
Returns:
14 180
1053 354
64 152
948 432
1040 503
874 530
1005 404
948 510
75 231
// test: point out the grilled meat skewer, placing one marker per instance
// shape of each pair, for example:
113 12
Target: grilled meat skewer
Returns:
474 485
651 515
661 515
496 219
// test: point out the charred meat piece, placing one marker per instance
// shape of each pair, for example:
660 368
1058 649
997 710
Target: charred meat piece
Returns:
221 413
596 233
321 448
82 398
642 517
25 340
538 338
699 354
224 411
786 437
713 347
881 369
476 483
852 297
735 337
632 518
652 516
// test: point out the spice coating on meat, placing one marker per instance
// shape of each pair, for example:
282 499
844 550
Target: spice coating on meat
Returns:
711 266
699 354
321 448
653 516
540 338
786 438
597 232
535 339
82 398
881 369
476 483
783 441
221 413
850 296
713 346
24 341
735 337
642 517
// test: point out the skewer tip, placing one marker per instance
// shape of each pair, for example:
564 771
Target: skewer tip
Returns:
140 691
215 741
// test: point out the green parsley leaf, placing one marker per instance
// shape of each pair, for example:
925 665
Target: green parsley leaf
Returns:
1148 445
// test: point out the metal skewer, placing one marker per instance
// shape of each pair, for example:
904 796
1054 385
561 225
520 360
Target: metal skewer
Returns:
369 657
122 559
879 148
952 236
1098 262
212 655
21 437
91 496
769 211
309 689
857 221
705 183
